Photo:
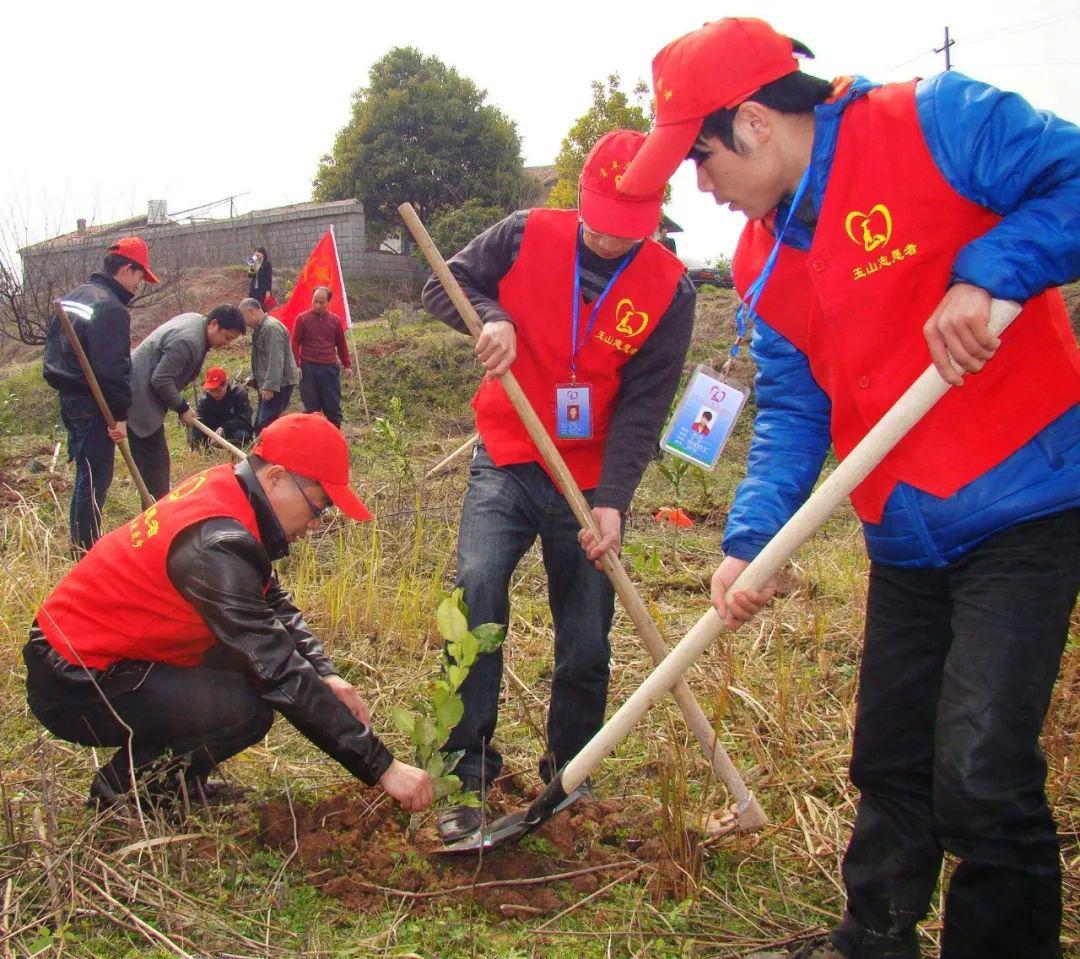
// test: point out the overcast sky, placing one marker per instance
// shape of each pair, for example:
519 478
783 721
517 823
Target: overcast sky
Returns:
109 105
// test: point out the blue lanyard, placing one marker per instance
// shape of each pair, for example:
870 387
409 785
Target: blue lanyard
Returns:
753 292
575 346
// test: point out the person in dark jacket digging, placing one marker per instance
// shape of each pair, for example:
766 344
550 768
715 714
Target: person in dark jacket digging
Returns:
98 310
173 640
225 408
594 318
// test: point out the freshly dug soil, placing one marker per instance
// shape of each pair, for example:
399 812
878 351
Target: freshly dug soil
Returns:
355 846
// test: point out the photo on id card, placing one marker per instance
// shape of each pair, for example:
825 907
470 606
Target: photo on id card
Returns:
573 411
704 418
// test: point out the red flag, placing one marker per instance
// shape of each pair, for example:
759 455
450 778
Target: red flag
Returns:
323 268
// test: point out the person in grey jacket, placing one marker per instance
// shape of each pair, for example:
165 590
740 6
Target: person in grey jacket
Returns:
274 373
162 365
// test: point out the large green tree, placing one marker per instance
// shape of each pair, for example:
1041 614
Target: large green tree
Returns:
420 132
611 109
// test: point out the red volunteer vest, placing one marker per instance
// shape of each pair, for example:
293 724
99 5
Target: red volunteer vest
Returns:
855 303
537 292
118 602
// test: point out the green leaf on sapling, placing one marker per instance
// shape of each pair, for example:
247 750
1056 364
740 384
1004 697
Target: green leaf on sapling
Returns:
448 713
403 719
450 619
490 636
447 786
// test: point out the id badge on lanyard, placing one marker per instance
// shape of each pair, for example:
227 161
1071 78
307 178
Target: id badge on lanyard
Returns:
573 411
704 418
573 400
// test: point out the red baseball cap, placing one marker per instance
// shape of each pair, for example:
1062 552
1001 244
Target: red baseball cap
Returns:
215 377
309 445
136 250
716 67
601 205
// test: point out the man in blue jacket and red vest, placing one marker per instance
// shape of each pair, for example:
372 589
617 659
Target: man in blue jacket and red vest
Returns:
594 317
173 640
897 212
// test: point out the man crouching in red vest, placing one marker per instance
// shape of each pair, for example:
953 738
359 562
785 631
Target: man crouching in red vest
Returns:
595 318
173 640
882 221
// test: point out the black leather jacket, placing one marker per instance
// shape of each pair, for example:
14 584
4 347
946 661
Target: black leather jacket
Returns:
222 570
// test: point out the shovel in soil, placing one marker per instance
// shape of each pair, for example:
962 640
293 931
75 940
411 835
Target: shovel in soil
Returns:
888 431
748 812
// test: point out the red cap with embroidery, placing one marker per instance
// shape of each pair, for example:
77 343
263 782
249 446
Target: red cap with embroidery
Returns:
716 67
601 205
309 445
136 250
215 377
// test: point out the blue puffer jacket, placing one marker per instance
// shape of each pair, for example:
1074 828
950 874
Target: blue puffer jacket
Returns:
995 149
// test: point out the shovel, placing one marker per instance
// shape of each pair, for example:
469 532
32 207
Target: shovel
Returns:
749 815
873 447
220 440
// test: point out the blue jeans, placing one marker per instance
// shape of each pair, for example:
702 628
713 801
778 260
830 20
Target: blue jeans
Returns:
269 410
93 452
505 509
957 671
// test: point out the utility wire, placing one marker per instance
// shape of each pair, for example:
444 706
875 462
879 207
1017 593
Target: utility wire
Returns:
1023 26
1008 30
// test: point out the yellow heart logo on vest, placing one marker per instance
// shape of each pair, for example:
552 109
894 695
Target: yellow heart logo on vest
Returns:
630 321
874 228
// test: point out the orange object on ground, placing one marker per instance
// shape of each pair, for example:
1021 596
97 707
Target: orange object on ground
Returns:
676 517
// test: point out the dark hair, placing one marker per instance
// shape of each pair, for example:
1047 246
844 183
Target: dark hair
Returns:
796 92
114 263
228 318
265 255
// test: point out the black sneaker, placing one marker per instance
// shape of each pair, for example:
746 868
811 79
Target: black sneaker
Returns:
458 822
102 794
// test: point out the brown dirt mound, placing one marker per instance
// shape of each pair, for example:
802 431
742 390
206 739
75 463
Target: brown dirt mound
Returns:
355 847
198 290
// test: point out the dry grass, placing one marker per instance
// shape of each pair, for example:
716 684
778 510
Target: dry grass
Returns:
782 692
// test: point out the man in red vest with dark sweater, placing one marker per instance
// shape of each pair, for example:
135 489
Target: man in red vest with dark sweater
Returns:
896 213
594 317
173 640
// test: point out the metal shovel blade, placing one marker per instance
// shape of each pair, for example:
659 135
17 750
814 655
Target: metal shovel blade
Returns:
511 827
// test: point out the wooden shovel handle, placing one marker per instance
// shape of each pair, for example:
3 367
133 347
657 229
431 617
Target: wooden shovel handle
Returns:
95 389
871 450
220 440
749 814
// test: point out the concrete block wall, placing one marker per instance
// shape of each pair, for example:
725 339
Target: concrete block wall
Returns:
288 233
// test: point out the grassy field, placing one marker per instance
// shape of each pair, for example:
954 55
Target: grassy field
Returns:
300 869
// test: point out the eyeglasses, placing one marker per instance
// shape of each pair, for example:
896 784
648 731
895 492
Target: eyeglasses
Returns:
317 512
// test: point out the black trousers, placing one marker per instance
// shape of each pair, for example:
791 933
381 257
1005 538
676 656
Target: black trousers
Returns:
181 718
956 678
151 456
320 390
